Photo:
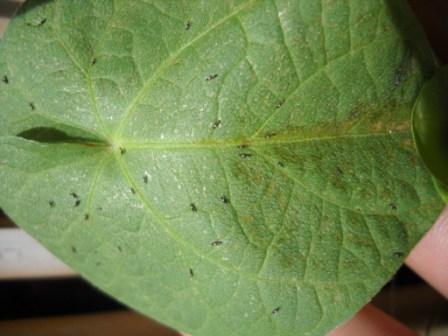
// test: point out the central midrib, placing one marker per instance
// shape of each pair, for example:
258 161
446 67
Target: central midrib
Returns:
249 142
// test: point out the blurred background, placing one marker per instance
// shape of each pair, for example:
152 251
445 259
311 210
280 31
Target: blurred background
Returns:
40 296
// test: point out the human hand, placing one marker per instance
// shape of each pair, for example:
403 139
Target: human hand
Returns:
429 259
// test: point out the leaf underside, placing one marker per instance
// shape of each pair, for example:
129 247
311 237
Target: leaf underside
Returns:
226 167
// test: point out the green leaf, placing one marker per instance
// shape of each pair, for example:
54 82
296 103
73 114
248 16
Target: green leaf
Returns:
430 124
240 167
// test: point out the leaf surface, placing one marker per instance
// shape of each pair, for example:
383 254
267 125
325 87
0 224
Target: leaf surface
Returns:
226 167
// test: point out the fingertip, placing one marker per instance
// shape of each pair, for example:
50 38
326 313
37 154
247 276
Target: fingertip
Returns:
430 257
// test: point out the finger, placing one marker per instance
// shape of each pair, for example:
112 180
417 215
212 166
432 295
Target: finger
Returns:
430 257
371 321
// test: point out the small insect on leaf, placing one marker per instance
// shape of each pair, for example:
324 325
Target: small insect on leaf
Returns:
5 79
217 243
191 272
193 207
276 311
32 106
245 155
122 150
51 203
77 203
188 25
217 124
225 199
211 77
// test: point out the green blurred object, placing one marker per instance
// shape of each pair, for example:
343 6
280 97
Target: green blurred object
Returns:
430 122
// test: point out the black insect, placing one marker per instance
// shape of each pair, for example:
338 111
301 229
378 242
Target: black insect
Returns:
86 217
188 25
243 146
270 135
94 61
5 79
217 243
191 272
145 179
245 155
217 124
280 103
77 203
37 24
276 311
211 77
122 150
193 207
51 203
281 164
74 195
32 106
224 199
393 206
74 249
133 191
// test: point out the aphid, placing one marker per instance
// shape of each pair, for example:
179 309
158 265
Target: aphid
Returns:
281 164
224 199
86 216
193 207
145 179
211 77
270 135
51 203
276 311
398 254
74 195
74 249
77 203
5 79
245 155
217 124
32 106
122 150
393 206
217 243
280 103
191 272
133 191
188 25
94 61
243 146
